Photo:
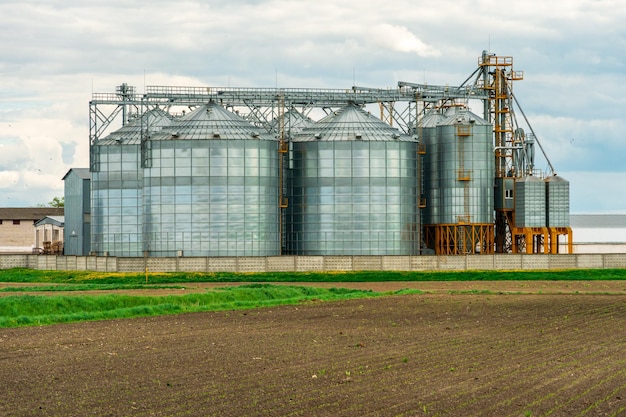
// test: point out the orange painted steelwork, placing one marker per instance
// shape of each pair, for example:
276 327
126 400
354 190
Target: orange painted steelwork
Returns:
460 239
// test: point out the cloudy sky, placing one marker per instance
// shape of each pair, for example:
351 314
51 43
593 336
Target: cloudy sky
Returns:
55 54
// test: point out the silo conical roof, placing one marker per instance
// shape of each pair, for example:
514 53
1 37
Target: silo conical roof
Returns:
351 123
294 121
455 115
432 119
130 133
211 121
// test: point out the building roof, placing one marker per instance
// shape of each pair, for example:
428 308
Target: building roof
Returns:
598 221
29 213
58 221
81 172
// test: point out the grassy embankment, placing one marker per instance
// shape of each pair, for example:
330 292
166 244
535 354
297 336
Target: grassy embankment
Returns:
25 310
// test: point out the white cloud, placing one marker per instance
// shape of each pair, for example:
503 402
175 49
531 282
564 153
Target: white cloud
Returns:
399 38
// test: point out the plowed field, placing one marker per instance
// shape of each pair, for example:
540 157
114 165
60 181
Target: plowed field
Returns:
435 354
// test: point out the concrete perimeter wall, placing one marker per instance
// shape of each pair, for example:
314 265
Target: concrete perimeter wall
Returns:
316 263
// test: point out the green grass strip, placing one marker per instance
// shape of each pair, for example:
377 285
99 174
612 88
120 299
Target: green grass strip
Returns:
29 310
90 277
89 287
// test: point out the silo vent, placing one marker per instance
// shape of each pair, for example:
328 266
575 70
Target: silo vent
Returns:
175 134
216 134
318 135
395 135
255 134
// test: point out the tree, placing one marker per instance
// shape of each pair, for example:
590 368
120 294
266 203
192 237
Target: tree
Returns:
57 202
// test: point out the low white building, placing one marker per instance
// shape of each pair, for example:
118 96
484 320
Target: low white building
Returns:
599 233
17 226
49 235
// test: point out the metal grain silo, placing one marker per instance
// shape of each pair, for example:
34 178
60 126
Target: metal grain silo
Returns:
116 187
211 188
557 201
557 212
530 233
427 135
462 175
530 202
353 188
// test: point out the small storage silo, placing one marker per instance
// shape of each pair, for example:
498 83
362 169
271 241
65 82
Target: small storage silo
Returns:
557 212
212 188
116 187
353 188
530 234
462 213
557 201
530 202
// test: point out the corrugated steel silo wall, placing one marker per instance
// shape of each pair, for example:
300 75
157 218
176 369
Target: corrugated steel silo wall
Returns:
74 231
465 161
353 198
212 198
557 202
116 201
431 213
530 202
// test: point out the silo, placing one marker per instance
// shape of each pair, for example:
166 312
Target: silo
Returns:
353 188
530 234
211 188
116 187
530 202
557 201
557 212
427 134
463 174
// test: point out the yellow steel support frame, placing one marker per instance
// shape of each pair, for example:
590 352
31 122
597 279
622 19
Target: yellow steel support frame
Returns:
555 232
460 239
531 240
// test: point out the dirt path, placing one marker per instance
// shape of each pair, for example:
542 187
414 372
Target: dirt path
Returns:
522 287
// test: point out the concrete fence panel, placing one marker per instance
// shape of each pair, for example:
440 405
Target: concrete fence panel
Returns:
562 261
424 263
195 264
480 262
131 265
530 262
615 260
367 263
454 263
281 264
396 263
595 261
309 263
507 262
162 264
251 264
222 264
338 263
